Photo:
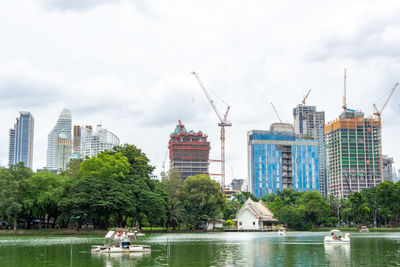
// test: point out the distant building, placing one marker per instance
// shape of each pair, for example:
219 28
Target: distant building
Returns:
63 124
188 151
236 184
63 151
280 159
308 122
387 164
93 142
354 153
20 147
254 216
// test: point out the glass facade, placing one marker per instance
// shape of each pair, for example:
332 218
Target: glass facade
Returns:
21 140
63 124
278 160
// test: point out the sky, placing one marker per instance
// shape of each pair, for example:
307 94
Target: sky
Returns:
127 64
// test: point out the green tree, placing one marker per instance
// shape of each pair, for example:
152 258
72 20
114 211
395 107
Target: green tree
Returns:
202 199
358 206
317 209
12 191
388 197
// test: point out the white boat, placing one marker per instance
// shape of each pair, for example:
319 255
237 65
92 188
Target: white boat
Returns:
119 241
336 237
281 231
364 229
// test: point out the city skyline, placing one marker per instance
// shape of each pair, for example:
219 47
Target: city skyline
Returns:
138 82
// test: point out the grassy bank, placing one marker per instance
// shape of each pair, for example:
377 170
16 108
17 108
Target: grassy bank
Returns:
53 231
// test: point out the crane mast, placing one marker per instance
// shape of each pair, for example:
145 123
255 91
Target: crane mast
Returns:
276 112
222 123
379 112
304 98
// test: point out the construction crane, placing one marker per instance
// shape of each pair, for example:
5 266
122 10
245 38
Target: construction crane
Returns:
345 96
304 98
379 112
276 112
223 122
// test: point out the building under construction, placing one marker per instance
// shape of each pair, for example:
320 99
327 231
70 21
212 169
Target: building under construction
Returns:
188 151
354 153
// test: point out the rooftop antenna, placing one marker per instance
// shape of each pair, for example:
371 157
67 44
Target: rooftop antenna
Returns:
344 97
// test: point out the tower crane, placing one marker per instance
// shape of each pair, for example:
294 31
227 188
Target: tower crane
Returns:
223 122
304 98
379 112
276 113
345 93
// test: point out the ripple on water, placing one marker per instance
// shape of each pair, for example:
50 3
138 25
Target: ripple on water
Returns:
46 241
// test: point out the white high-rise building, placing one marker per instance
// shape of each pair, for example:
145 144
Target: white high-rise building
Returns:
63 123
93 142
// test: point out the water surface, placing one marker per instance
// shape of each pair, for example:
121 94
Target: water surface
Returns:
208 249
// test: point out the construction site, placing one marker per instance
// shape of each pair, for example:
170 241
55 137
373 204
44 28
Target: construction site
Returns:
188 151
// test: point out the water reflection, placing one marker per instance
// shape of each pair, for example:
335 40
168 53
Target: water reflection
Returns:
337 254
119 259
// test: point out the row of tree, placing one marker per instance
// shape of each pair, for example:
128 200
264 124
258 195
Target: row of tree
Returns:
378 206
111 189
114 189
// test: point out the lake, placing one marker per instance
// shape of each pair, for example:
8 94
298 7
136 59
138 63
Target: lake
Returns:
207 249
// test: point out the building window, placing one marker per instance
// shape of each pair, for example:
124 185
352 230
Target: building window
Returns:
240 223
254 223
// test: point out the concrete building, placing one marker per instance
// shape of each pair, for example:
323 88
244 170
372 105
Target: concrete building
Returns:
236 184
280 159
63 124
93 142
308 122
20 147
254 216
387 164
188 151
354 153
63 151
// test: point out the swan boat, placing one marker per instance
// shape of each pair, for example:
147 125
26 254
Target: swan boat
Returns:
119 241
336 237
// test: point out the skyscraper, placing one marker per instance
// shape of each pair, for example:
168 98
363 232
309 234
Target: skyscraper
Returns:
63 151
354 153
278 159
63 123
21 140
93 142
308 122
188 151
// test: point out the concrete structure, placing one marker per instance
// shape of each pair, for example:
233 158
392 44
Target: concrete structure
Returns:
354 153
20 147
63 151
188 151
93 142
254 216
236 184
63 124
308 122
387 164
279 160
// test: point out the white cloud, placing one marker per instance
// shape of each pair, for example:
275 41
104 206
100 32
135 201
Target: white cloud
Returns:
127 64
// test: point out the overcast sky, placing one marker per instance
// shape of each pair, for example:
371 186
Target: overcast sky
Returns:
128 63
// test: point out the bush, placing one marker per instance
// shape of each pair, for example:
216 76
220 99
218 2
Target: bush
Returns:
228 223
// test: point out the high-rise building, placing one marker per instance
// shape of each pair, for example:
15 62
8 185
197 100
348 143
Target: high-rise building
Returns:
278 159
63 151
309 123
93 142
354 153
63 124
188 151
388 173
21 140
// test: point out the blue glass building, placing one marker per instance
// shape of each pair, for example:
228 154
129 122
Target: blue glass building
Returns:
279 160
21 140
